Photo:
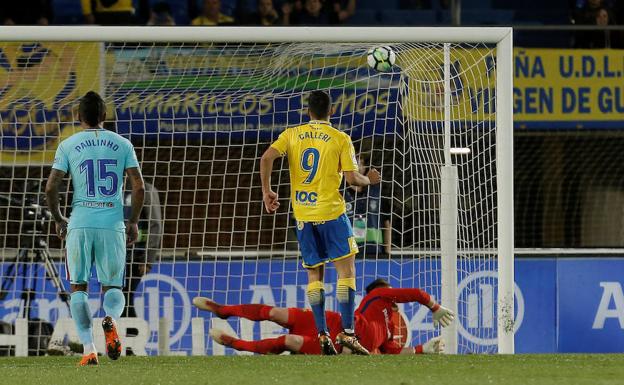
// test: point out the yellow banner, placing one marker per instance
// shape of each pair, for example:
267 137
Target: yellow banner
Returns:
568 85
39 85
472 84
576 87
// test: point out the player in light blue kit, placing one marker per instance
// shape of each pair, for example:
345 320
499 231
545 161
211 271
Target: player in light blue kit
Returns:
96 160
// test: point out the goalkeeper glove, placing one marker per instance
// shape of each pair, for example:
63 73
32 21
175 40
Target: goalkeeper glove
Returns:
442 315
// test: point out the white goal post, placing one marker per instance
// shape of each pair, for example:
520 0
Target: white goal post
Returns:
455 240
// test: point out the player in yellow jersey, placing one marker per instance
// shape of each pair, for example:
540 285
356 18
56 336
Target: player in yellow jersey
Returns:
318 156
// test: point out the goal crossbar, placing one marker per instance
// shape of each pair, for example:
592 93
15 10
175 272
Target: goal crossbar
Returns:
257 34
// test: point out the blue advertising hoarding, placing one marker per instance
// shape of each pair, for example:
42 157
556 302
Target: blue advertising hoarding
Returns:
591 305
562 305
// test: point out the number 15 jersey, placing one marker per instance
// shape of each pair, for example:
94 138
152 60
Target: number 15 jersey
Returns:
96 160
317 156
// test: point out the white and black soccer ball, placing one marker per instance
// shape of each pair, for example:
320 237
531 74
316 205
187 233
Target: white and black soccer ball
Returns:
381 58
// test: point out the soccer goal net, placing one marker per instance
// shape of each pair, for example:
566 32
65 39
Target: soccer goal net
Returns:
200 106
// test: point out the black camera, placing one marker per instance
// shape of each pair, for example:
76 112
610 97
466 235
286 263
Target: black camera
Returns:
33 218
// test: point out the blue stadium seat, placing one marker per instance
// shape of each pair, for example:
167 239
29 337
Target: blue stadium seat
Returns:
408 17
365 17
535 5
539 39
443 17
367 4
377 4
251 6
179 10
435 5
67 12
229 6
487 17
476 4
542 16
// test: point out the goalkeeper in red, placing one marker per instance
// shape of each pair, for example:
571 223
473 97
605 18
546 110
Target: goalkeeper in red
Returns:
373 320
373 323
318 156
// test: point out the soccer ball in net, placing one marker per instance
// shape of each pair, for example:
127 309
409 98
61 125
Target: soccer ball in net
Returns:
381 58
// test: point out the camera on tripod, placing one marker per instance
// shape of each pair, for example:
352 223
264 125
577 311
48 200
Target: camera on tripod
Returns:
34 219
21 275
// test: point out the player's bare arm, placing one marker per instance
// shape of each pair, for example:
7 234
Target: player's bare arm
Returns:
137 198
269 197
355 178
52 196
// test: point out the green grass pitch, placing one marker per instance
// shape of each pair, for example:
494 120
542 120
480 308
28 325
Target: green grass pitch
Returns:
574 369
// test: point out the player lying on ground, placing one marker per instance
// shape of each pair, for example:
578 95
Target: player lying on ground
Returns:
372 318
302 337
96 160
318 155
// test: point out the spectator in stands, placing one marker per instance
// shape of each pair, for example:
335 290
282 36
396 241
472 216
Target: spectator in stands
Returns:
312 13
108 12
604 39
288 10
341 11
594 13
265 15
587 14
26 12
211 15
366 207
161 15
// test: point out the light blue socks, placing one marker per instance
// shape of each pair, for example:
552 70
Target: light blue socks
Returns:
80 312
114 302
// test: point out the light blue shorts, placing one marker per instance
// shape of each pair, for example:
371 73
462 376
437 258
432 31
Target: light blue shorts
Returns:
105 248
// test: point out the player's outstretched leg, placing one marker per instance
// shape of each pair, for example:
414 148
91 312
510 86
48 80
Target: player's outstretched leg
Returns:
114 303
79 307
204 303
253 312
267 346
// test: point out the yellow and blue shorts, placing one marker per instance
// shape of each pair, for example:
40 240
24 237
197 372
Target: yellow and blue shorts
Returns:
321 242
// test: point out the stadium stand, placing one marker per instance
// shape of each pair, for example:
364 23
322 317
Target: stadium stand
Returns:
372 12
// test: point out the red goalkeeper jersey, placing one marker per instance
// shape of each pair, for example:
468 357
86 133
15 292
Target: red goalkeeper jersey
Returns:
373 318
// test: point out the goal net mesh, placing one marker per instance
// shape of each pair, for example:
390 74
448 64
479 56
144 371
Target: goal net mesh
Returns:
200 116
